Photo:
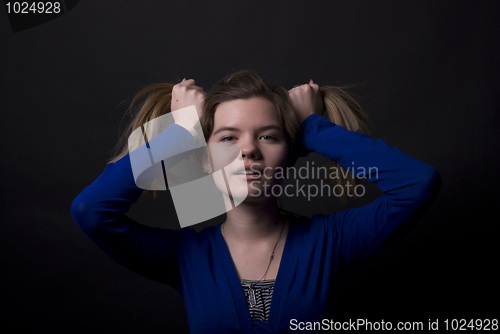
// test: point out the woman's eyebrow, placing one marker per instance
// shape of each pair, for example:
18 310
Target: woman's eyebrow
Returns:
225 128
264 128
270 127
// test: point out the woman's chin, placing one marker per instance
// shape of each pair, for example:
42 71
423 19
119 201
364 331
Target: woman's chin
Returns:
246 191
259 190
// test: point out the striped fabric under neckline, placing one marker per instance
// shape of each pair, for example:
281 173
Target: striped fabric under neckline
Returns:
263 292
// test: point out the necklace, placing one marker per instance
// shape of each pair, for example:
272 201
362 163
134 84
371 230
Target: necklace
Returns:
251 290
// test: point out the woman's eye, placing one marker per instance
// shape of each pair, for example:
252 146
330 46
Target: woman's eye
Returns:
231 138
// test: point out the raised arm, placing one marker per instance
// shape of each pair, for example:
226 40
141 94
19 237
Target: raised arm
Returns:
100 209
407 182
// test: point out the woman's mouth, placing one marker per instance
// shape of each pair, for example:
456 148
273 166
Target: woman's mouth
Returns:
248 174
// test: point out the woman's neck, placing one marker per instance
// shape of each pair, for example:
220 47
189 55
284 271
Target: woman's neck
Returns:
253 222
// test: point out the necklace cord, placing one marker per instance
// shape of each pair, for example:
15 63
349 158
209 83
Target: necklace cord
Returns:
272 254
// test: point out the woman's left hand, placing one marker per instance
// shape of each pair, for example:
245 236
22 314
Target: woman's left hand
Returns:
306 100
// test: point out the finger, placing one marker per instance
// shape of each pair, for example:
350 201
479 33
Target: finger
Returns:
304 87
183 83
187 82
313 85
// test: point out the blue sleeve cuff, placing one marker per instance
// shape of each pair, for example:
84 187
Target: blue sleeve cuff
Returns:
309 121
307 124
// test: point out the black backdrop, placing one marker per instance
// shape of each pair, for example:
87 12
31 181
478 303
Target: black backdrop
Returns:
430 70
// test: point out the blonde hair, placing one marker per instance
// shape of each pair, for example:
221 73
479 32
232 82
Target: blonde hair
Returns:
341 108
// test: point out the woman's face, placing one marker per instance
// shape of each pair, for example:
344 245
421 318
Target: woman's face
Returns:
251 126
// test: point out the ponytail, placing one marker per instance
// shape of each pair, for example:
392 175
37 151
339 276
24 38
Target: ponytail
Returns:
342 109
156 102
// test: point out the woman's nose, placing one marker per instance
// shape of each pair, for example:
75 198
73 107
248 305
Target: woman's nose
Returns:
249 149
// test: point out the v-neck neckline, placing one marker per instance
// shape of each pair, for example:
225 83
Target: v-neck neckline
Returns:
280 285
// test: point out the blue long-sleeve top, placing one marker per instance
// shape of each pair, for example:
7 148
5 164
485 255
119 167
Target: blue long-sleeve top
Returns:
199 265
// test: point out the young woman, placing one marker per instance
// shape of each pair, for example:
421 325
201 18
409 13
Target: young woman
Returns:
260 271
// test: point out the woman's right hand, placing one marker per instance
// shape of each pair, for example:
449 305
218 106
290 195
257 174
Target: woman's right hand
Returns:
306 100
186 94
